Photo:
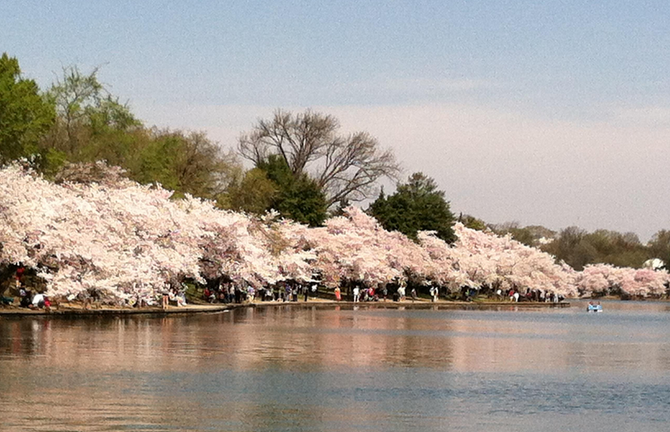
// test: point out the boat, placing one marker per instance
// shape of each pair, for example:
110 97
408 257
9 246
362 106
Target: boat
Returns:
594 308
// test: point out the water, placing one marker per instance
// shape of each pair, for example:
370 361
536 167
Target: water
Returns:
327 369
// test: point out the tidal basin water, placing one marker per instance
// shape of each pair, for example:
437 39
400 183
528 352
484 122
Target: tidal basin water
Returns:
337 369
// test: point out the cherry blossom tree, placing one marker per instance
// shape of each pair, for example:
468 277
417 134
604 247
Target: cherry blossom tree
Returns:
96 231
603 279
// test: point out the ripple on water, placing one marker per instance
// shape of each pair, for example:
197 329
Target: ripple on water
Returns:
349 370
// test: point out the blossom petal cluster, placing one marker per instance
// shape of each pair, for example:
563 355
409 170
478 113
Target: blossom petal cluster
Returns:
131 242
603 279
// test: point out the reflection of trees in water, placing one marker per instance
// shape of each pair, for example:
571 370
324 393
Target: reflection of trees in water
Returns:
247 338
232 368
290 337
313 338
25 338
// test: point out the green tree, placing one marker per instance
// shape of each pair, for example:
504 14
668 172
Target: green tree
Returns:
298 197
25 115
91 123
619 249
570 247
659 247
472 222
416 206
186 162
578 248
254 193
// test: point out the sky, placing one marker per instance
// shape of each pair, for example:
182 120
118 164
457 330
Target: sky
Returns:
553 113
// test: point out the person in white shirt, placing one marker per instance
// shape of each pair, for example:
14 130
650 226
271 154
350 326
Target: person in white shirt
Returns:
38 301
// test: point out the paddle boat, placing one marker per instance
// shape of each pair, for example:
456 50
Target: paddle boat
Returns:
592 307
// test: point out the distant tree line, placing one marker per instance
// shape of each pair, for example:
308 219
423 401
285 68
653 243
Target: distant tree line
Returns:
578 247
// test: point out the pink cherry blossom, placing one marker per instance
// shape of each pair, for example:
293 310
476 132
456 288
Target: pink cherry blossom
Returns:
130 242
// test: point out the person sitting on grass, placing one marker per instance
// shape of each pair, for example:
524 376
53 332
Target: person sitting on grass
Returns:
6 300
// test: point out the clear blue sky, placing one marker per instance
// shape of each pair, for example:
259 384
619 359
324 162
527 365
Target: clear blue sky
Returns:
546 112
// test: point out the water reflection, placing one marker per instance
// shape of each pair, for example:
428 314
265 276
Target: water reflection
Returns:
287 368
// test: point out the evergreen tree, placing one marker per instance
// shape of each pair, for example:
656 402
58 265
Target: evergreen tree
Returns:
298 197
415 206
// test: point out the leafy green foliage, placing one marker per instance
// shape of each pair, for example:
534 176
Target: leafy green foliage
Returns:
24 114
659 247
186 163
93 125
254 193
578 248
415 206
298 197
472 222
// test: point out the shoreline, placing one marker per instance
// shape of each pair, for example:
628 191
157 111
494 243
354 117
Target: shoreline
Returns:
75 310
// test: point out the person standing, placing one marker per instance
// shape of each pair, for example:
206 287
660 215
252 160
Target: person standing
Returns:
401 292
357 293
165 299
19 276
338 294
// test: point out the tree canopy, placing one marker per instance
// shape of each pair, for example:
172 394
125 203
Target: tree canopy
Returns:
298 198
659 247
343 167
416 206
25 115
92 125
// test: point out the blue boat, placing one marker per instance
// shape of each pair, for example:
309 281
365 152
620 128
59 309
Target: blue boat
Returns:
594 308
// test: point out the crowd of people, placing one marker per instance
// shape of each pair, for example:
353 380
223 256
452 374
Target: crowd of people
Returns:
367 294
27 297
240 292
531 295
237 292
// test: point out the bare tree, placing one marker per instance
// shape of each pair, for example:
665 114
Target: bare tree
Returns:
345 167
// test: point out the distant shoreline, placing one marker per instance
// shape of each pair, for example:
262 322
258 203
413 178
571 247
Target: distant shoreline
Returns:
76 310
